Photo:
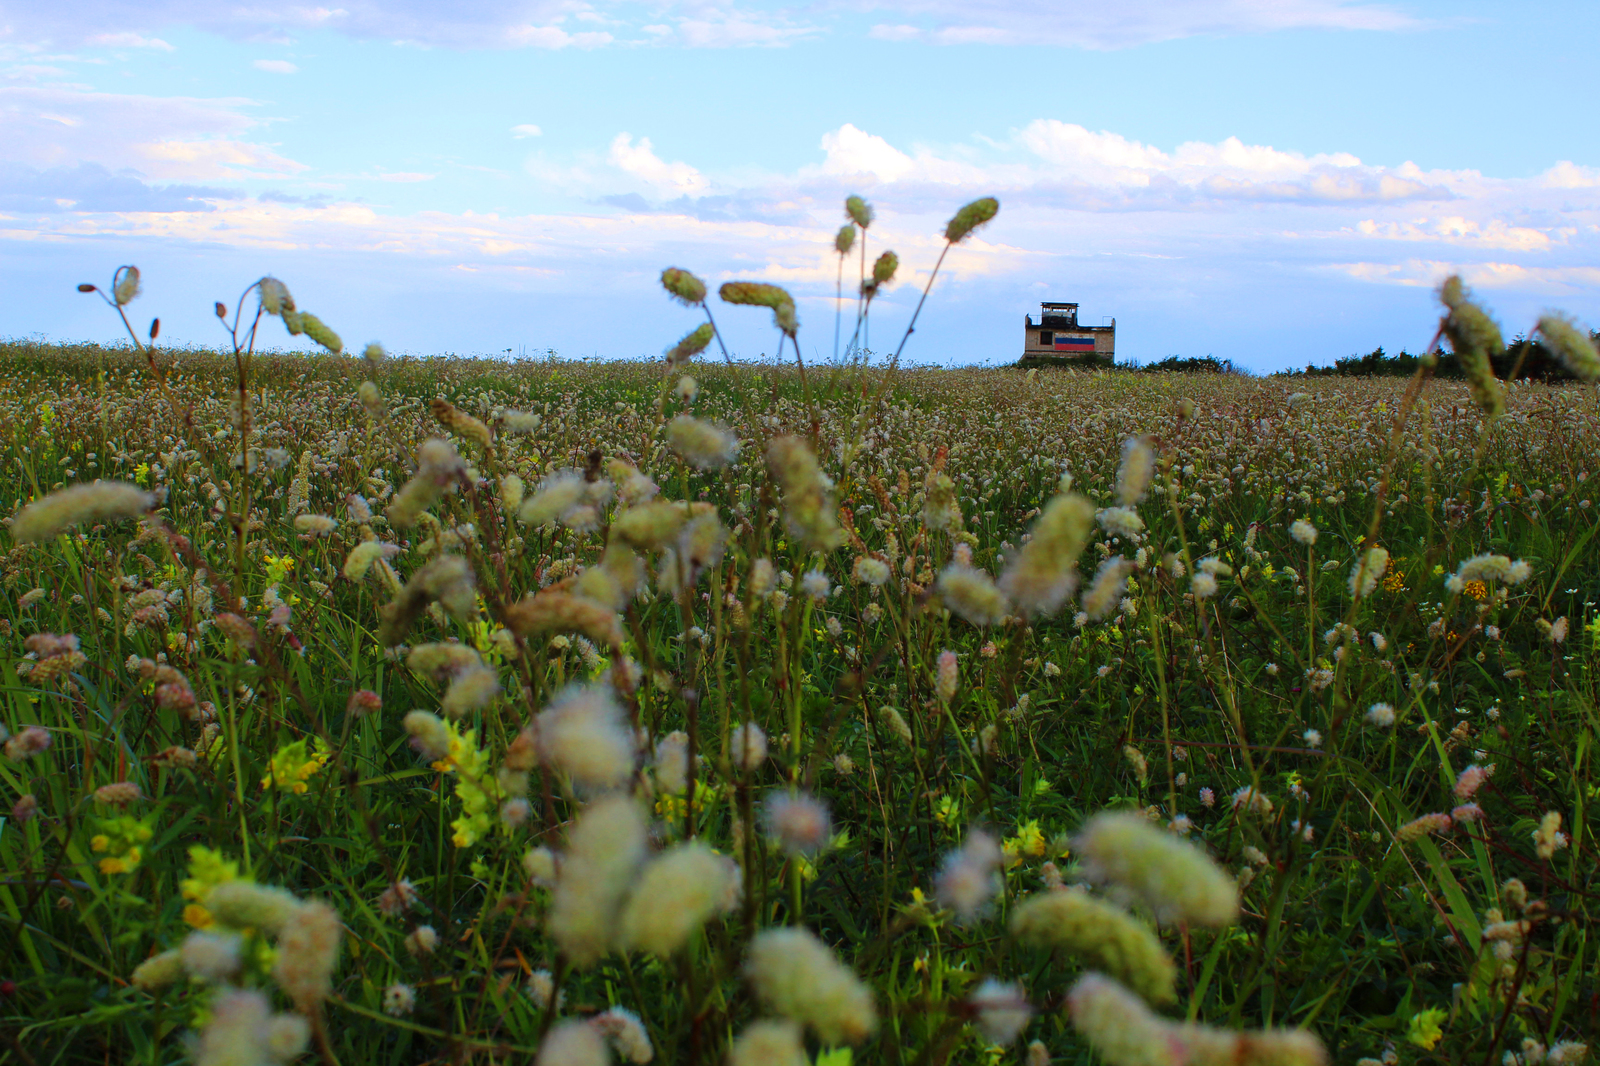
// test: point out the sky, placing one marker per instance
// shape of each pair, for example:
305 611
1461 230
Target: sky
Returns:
1276 182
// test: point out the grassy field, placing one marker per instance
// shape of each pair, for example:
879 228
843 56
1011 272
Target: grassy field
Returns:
1186 720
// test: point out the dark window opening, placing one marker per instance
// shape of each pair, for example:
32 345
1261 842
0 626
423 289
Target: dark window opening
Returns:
1046 338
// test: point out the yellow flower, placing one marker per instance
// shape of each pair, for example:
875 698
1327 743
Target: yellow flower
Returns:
1425 1031
294 764
1028 841
1477 590
207 870
278 567
120 837
1031 838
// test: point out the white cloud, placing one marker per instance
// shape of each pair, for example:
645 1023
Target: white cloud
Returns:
695 23
641 161
212 160
526 129
1129 223
276 66
1568 175
852 151
1097 25
555 37
736 32
173 138
1455 229
885 32
1544 281
1228 169
129 40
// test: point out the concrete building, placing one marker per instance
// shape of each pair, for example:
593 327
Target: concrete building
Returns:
1058 338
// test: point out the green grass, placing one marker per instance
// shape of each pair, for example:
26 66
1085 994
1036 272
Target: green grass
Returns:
1344 930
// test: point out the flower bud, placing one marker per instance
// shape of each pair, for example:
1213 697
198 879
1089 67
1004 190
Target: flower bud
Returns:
683 286
1572 346
1474 338
859 211
275 298
127 285
313 327
970 217
692 344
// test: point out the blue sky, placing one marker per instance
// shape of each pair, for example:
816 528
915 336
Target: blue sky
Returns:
1271 181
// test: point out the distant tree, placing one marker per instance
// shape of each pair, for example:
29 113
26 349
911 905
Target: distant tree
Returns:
1191 364
1528 359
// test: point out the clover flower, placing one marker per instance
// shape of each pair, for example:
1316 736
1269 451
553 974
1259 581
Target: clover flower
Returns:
1104 936
969 876
701 444
308 951
677 892
582 734
798 821
605 848
1001 1010
399 1000
625 1032
1174 879
747 746
768 1043
1548 838
102 501
796 976
573 1043
972 595
1043 575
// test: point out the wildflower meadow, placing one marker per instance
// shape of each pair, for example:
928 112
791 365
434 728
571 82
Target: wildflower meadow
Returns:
361 709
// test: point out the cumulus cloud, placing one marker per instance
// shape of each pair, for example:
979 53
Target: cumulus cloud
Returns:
1228 169
1120 222
640 161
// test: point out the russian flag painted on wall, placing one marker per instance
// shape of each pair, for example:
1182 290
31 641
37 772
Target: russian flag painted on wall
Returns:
1074 344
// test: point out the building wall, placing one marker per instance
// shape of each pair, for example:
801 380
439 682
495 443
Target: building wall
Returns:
1104 340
